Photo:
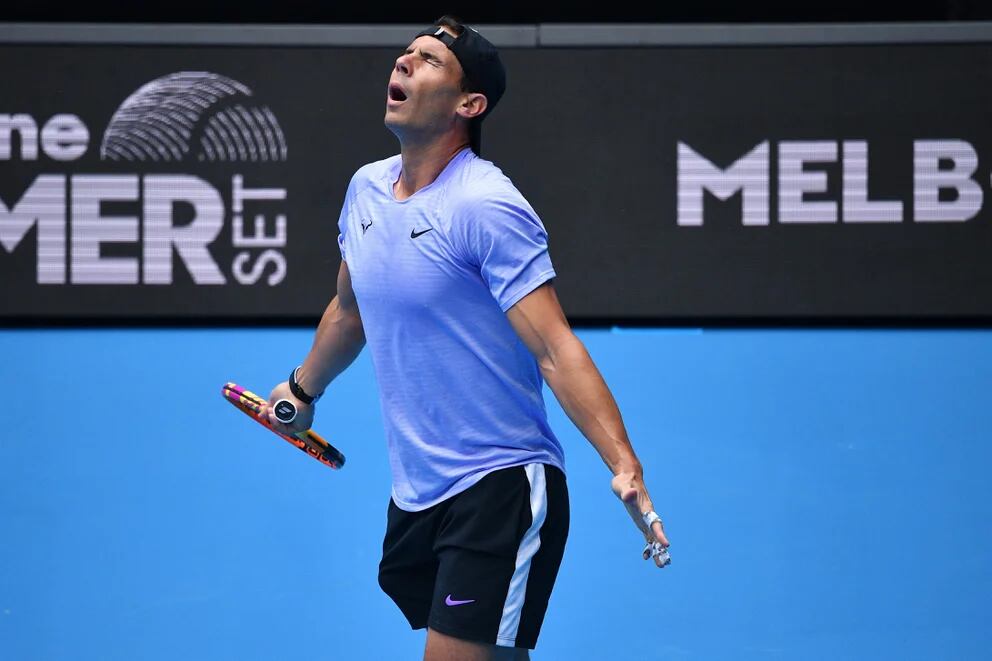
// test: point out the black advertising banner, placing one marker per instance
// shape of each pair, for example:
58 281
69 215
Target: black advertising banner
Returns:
703 184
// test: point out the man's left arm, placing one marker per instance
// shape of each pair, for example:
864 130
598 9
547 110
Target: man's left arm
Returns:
583 394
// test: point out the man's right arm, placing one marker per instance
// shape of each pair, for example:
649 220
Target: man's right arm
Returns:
338 341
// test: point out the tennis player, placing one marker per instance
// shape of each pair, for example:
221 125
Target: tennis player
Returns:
445 274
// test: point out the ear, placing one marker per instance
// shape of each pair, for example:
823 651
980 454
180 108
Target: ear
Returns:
473 104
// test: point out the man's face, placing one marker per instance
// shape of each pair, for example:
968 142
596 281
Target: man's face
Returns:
424 90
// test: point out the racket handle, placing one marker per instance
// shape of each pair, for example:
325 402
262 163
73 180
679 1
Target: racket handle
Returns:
285 411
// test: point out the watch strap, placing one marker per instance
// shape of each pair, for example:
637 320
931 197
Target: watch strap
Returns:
298 391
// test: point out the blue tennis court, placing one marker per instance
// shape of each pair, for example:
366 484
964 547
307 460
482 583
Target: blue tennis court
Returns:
826 494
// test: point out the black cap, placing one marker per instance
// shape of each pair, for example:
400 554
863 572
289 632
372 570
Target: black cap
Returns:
483 70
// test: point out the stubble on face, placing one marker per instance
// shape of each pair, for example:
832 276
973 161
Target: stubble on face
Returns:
423 90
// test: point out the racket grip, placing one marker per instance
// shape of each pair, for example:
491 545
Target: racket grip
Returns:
285 411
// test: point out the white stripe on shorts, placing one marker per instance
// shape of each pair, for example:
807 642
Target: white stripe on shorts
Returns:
531 542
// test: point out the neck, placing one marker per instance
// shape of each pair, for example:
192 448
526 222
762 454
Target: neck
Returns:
422 163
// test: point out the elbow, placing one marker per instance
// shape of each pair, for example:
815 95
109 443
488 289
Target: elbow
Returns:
345 310
354 325
347 318
557 352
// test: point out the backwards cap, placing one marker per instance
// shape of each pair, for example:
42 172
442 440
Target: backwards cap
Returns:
483 69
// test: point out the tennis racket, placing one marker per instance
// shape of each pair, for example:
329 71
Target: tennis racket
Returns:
308 441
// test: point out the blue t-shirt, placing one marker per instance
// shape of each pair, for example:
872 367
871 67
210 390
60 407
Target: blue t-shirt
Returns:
434 274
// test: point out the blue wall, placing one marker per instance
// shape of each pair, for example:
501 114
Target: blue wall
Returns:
826 494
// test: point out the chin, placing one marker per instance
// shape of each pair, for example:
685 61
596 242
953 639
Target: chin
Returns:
392 125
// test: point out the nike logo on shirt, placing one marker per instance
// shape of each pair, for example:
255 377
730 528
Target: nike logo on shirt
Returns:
457 602
414 233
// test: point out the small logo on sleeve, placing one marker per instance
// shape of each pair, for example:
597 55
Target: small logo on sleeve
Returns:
457 602
365 228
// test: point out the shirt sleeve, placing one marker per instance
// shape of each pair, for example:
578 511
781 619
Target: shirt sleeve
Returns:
343 217
505 238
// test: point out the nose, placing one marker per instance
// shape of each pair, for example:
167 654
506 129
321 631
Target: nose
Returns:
403 64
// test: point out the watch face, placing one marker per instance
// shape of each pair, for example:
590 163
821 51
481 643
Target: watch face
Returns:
285 411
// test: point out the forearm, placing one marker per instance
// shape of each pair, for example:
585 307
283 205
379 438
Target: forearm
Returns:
586 399
338 341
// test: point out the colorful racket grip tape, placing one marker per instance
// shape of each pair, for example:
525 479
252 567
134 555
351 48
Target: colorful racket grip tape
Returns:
308 441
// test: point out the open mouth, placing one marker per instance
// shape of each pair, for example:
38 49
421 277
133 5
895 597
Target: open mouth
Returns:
396 93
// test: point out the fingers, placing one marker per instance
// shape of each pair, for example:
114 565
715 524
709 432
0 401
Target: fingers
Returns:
654 530
654 534
288 430
640 508
630 489
658 532
304 412
662 559
271 417
658 553
657 541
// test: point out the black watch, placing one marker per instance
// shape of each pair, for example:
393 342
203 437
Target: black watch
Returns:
298 392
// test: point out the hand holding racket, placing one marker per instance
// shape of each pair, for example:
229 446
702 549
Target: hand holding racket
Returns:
295 413
286 413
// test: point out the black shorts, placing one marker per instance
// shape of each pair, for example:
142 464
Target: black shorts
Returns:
480 565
